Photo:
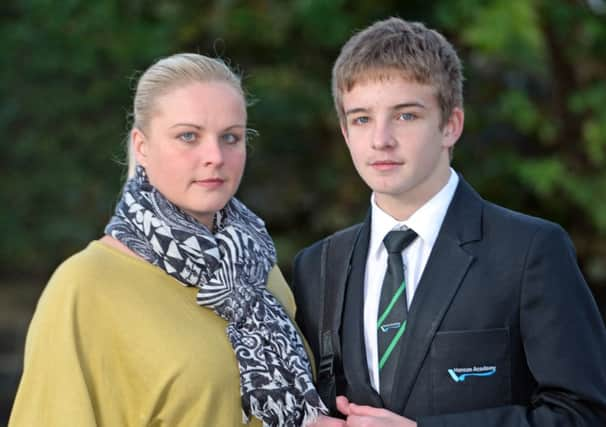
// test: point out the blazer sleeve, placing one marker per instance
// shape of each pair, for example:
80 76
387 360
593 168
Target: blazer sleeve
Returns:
54 388
564 340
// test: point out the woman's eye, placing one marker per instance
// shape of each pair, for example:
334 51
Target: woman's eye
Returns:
230 138
187 136
406 116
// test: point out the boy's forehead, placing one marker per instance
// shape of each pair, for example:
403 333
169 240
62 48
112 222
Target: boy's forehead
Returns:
381 75
388 78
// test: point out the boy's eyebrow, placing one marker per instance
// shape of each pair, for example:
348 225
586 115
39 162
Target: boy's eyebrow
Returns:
395 107
408 105
356 110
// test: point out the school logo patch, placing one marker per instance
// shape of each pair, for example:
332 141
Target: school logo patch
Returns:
459 374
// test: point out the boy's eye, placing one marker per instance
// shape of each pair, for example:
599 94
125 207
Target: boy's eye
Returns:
361 120
406 116
187 136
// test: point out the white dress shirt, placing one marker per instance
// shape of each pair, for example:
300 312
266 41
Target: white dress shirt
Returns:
426 222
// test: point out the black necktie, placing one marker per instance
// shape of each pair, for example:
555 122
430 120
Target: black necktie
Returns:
393 311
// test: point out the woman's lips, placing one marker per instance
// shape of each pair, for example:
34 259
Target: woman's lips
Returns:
209 183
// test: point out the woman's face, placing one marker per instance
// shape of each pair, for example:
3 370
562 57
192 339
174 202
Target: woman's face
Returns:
194 149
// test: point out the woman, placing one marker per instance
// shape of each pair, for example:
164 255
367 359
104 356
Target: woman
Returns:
116 340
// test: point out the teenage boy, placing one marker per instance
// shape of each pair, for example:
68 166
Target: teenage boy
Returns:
440 309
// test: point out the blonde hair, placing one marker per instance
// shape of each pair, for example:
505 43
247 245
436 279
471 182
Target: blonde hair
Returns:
168 74
397 47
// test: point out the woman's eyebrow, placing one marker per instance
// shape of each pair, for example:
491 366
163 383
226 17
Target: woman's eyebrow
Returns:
189 125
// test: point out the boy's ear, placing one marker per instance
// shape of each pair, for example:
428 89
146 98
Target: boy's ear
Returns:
139 146
453 128
344 131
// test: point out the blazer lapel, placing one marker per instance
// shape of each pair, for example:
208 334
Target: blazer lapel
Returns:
443 274
359 389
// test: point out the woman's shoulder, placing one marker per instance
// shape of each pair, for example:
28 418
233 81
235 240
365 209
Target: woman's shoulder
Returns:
92 262
82 263
66 282
95 269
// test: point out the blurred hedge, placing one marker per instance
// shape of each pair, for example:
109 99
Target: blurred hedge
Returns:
535 137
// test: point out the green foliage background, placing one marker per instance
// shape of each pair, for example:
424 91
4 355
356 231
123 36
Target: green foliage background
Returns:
535 137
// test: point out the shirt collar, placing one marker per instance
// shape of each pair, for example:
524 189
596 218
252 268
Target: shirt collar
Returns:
425 221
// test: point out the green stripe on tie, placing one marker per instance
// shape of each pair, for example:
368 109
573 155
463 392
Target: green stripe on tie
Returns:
392 345
391 304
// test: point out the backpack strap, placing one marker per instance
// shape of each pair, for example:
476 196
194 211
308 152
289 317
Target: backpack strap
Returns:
335 264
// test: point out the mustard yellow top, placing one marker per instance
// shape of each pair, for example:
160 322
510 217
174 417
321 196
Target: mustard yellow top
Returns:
115 341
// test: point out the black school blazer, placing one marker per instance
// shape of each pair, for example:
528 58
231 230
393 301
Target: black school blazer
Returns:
502 331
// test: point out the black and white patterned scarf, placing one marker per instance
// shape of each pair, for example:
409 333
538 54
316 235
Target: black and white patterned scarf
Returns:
230 269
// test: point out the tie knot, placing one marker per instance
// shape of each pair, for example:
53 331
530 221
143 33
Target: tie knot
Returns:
397 240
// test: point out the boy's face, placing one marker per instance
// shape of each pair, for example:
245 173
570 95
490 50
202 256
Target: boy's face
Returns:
392 130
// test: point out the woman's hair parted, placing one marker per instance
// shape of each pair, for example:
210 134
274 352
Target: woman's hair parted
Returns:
394 47
168 74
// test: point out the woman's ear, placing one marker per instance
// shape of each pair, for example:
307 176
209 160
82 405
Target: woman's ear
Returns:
138 146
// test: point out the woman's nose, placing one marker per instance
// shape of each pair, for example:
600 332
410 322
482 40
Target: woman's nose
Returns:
211 152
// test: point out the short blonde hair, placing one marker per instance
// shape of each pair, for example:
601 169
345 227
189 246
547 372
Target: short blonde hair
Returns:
397 47
168 74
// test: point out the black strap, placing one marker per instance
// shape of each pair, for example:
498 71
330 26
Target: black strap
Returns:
335 263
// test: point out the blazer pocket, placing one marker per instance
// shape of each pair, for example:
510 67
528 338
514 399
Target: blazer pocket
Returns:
470 370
